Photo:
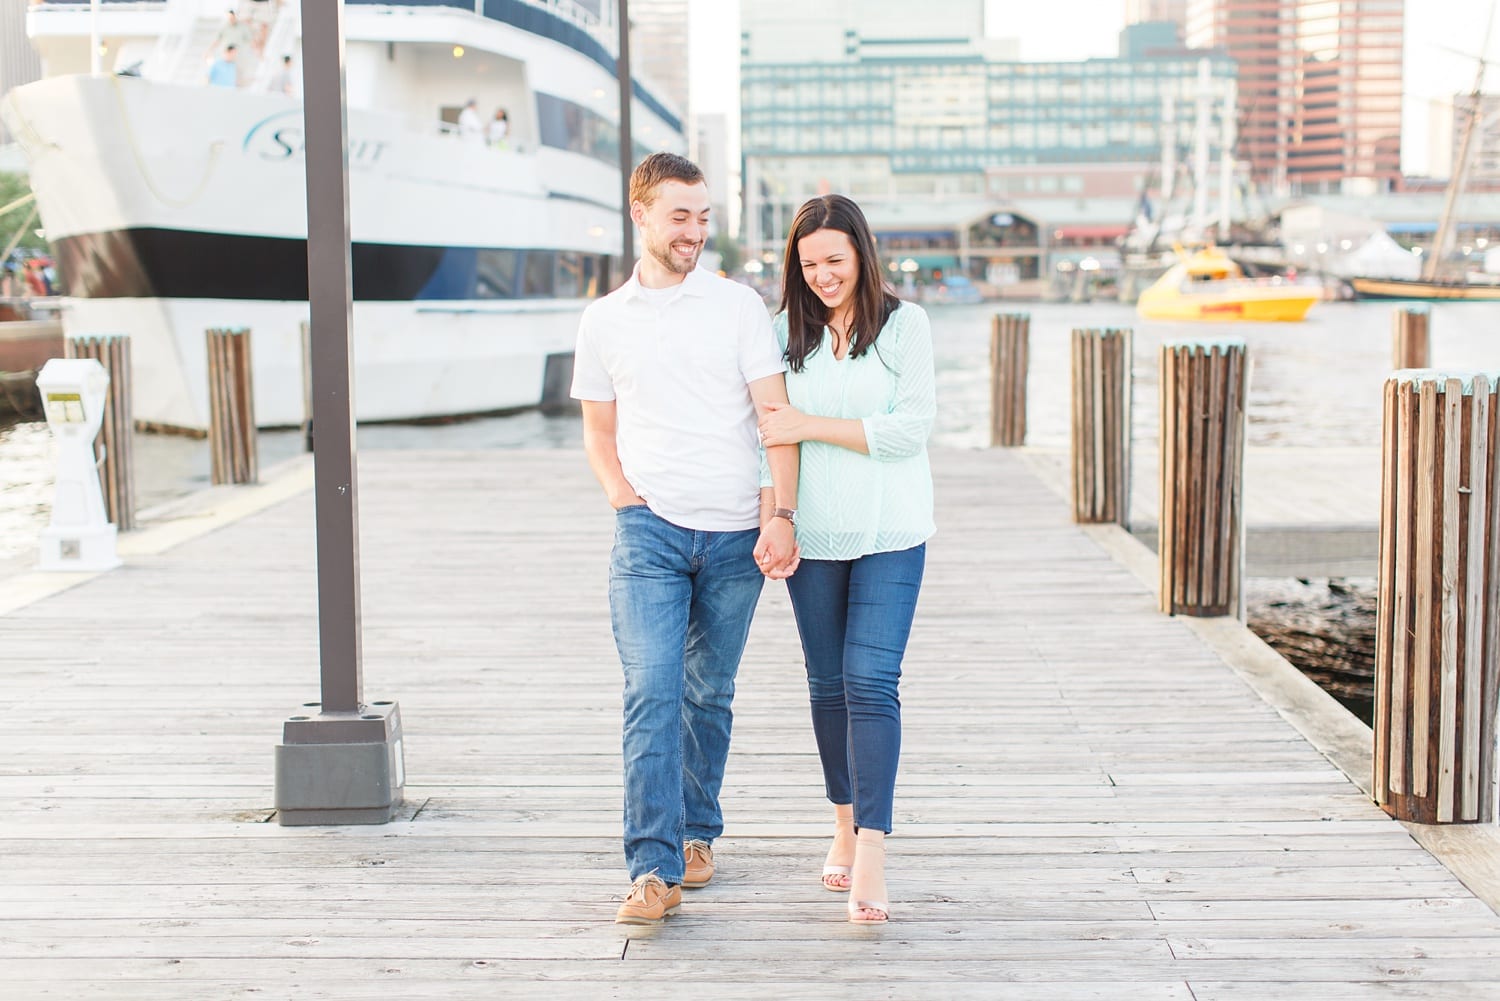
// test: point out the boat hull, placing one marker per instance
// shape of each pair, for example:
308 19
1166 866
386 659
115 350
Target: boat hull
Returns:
411 360
1422 291
1208 309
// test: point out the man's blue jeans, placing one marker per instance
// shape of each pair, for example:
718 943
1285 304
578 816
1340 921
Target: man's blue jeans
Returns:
854 617
681 602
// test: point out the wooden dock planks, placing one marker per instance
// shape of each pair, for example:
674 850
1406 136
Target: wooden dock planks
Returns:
1092 805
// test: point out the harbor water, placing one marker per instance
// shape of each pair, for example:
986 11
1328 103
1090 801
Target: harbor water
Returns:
1313 384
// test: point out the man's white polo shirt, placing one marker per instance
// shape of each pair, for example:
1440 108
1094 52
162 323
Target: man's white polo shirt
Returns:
678 362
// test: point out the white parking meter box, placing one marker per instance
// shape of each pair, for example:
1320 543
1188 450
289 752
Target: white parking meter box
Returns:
79 536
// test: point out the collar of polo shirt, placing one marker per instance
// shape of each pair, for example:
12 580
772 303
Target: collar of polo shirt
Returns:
693 283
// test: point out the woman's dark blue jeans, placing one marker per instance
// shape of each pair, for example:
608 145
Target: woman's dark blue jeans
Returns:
854 617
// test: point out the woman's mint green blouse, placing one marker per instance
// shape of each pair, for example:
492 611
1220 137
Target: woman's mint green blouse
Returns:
849 504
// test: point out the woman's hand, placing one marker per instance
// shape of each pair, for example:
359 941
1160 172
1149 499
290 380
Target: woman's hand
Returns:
782 424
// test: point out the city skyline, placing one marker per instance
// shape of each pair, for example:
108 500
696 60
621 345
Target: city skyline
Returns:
1435 54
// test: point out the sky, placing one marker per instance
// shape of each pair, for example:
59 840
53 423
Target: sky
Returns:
1437 31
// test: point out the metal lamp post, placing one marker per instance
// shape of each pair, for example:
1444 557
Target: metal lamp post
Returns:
340 759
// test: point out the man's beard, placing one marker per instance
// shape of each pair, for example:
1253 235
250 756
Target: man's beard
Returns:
670 261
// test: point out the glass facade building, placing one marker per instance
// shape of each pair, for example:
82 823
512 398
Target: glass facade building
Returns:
941 139
1319 88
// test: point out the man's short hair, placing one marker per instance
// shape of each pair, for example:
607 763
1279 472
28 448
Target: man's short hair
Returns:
658 167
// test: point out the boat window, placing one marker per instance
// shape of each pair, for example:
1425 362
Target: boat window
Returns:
595 275
495 276
572 127
538 279
569 275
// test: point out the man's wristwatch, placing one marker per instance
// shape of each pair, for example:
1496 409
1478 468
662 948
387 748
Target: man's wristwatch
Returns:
789 513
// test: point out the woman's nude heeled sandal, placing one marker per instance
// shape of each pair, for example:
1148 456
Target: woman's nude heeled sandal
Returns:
857 906
831 872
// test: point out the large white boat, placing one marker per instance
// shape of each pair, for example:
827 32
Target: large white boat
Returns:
174 206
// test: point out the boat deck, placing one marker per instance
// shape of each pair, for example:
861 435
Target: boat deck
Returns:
1095 802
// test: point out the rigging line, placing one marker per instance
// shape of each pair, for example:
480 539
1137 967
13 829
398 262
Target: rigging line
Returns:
30 196
36 141
1444 235
19 235
214 149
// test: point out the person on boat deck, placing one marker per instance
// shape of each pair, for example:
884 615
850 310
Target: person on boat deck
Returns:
861 385
499 128
470 127
225 71
282 82
235 33
671 369
36 278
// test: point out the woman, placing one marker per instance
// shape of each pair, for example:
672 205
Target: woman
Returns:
860 385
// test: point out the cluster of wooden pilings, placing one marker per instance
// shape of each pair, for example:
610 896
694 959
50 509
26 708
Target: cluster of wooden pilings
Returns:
1438 637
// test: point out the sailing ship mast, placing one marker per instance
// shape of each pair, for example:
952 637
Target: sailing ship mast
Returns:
1443 242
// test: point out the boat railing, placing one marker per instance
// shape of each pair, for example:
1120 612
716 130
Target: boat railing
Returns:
32 307
281 41
74 5
567 10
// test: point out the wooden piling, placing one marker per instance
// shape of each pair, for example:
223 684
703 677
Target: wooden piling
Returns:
1010 336
1101 426
1201 530
114 449
1411 341
231 407
1437 640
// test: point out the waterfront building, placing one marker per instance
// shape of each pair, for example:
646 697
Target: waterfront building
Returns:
1319 88
962 156
19 62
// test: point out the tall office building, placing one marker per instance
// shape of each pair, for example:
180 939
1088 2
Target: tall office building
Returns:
659 47
19 62
1319 88
708 147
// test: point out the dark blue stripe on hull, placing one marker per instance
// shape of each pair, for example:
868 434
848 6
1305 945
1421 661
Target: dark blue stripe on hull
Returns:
181 264
184 264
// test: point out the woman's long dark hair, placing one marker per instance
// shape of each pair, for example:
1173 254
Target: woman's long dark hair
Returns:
874 302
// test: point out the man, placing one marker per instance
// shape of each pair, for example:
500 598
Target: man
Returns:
671 368
225 71
470 127
234 33
281 83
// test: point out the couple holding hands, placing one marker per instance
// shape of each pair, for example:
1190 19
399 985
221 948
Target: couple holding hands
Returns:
736 448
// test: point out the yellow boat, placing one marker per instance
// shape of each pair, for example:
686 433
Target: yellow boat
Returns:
1207 285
